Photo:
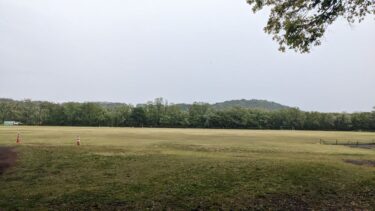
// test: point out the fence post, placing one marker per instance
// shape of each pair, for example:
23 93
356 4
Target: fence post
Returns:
336 141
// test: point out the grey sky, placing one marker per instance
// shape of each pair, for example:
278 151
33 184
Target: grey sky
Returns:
208 50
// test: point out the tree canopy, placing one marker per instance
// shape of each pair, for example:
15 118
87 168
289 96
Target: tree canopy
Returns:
159 113
300 24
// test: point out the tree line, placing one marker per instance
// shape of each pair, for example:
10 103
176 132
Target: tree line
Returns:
159 113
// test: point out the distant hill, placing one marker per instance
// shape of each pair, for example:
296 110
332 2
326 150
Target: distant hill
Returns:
6 100
253 104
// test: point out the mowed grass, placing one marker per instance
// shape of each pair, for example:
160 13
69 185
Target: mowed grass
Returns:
184 169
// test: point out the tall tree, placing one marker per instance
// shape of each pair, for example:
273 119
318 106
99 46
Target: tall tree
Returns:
138 117
198 114
92 114
372 120
119 115
72 113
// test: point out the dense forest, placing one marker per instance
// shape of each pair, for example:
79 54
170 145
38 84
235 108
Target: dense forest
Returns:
159 113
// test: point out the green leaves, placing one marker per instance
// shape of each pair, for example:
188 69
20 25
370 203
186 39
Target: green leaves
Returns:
300 24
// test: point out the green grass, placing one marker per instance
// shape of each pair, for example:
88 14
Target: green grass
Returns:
184 169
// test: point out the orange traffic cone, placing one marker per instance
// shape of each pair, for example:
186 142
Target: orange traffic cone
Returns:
18 139
78 141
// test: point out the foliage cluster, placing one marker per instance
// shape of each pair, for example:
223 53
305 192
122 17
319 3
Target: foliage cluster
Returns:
301 24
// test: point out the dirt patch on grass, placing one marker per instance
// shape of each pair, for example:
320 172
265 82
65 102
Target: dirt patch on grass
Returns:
370 163
8 158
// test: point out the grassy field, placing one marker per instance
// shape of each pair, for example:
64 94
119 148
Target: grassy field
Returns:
185 169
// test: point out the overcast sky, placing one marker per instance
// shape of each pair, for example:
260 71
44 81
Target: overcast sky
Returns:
183 50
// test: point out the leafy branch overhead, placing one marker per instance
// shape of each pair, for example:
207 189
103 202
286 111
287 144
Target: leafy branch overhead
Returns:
300 24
